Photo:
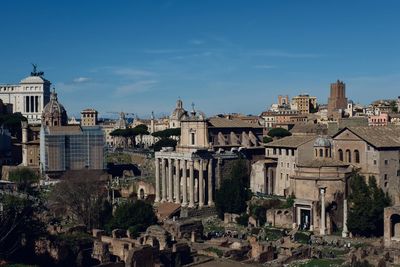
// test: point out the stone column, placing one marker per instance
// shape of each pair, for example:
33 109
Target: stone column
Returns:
157 162
163 181
270 174
219 173
170 187
210 183
184 184
322 230
201 184
177 181
191 184
345 232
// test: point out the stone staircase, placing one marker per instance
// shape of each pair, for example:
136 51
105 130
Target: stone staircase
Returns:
196 212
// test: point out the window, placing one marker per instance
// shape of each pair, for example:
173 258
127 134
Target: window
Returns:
288 164
386 162
281 175
368 148
374 161
348 155
274 151
192 139
321 152
398 172
357 156
281 164
287 177
385 176
292 152
340 154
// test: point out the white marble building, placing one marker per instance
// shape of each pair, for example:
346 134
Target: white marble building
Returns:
28 97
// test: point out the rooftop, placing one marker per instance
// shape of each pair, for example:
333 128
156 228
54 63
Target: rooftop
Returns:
218 122
379 137
293 141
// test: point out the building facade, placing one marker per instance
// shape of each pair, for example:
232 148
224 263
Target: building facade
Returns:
304 104
337 100
190 175
29 97
89 117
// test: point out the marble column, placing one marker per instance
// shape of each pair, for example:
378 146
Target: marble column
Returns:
270 177
177 181
201 184
322 230
184 184
157 162
219 173
163 181
345 232
210 183
191 184
170 187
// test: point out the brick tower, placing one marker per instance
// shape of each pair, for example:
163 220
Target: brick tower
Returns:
337 99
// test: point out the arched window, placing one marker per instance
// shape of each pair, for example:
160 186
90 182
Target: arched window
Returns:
321 153
348 155
357 156
340 154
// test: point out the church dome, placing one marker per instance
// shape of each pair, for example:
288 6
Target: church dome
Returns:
179 111
322 142
54 114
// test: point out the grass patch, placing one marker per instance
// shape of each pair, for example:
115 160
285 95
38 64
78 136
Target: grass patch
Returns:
320 263
272 234
217 251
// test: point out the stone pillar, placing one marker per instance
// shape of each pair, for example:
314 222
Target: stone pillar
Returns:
170 187
157 162
322 230
201 184
345 232
163 181
270 177
191 184
210 183
219 173
184 184
177 181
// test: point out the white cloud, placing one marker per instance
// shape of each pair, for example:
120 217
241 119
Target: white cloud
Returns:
264 67
196 42
130 72
136 87
81 80
283 54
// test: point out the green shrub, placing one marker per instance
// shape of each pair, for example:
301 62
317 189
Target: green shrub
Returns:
267 139
243 219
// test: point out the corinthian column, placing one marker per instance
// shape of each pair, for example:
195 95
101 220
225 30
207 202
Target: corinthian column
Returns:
157 162
184 184
170 188
322 229
191 184
163 181
201 189
210 183
177 183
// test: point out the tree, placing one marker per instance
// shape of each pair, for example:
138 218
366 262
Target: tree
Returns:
168 133
13 123
367 203
20 225
24 178
164 142
233 193
83 199
279 133
136 216
267 139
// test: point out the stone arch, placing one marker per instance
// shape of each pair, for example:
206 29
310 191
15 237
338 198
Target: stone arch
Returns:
340 152
395 227
357 156
348 155
141 193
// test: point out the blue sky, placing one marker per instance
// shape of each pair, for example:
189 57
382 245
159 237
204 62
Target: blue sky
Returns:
226 56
